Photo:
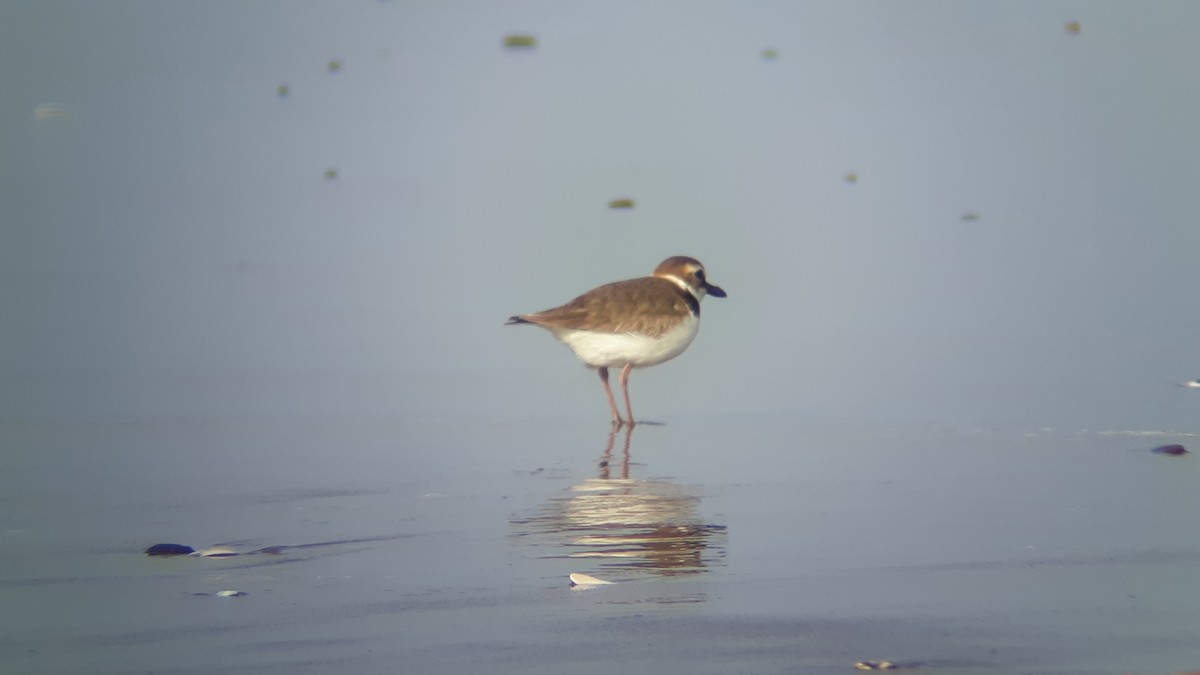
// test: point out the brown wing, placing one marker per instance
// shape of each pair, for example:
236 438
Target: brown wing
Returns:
647 306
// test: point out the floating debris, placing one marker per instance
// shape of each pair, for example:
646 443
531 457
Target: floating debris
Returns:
770 55
1073 28
1191 384
50 111
520 41
1174 450
282 91
169 550
275 549
333 66
217 552
231 594
625 203
886 665
330 173
851 177
970 216
583 580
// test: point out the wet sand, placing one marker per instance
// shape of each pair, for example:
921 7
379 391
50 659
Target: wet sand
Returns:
738 543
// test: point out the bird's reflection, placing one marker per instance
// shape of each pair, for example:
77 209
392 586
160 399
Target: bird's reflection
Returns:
622 523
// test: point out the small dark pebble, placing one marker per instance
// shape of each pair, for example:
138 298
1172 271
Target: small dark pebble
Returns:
170 549
1174 450
517 41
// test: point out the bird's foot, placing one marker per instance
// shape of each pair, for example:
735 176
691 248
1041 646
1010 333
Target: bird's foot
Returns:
619 422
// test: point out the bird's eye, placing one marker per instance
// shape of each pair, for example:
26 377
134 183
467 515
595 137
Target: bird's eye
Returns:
700 276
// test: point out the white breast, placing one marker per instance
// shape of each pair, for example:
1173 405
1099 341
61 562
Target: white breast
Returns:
614 350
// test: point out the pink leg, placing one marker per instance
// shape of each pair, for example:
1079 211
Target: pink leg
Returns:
625 389
612 402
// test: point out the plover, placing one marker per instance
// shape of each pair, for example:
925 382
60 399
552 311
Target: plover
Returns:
631 324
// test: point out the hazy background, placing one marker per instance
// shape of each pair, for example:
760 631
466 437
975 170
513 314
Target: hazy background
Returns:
170 244
233 317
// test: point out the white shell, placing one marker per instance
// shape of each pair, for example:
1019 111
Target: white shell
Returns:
218 552
584 580
230 594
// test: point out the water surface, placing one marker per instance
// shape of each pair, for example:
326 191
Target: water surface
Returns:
760 542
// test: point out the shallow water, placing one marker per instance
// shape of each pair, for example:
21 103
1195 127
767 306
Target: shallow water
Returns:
739 542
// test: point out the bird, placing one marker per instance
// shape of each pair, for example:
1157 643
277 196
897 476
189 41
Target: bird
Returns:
636 323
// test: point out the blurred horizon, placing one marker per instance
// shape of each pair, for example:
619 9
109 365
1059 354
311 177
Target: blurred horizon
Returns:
180 236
